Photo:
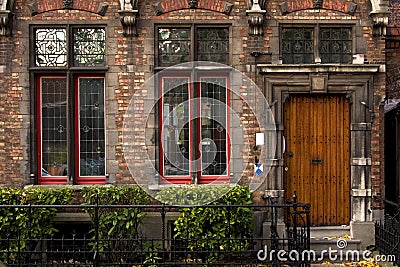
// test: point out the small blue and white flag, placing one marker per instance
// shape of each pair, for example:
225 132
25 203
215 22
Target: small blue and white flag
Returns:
258 169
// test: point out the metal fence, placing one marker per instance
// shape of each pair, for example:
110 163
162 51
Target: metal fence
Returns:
85 246
387 232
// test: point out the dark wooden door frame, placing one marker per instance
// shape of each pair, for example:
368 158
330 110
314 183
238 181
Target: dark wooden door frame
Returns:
354 81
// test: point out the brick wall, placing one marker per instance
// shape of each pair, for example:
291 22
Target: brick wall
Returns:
131 62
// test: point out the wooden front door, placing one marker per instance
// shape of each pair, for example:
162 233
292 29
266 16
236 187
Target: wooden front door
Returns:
317 156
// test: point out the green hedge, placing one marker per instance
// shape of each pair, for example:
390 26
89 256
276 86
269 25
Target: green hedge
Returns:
15 221
118 229
213 229
209 226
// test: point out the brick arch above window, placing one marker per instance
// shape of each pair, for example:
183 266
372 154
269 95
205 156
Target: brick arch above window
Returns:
344 6
165 6
38 7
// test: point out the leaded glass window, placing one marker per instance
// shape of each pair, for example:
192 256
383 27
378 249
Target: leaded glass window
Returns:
212 44
193 137
176 127
297 45
183 44
52 47
91 126
317 44
71 139
335 45
173 46
70 118
213 126
53 126
89 46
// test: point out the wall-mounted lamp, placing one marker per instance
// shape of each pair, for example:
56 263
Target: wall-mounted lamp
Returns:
371 112
259 53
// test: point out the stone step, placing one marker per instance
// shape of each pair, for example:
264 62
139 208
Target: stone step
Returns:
329 231
334 244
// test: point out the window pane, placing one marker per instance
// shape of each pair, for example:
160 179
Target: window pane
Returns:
173 46
92 127
176 127
213 126
89 47
213 44
336 45
297 45
54 144
50 47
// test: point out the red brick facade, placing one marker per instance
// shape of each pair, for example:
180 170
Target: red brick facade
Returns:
130 61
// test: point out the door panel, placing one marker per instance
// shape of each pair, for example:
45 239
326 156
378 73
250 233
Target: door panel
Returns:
317 157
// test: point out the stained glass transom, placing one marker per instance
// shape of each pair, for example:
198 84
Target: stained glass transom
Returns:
213 44
173 46
297 45
51 47
89 46
335 45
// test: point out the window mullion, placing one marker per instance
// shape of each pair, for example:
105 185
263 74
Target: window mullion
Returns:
317 58
193 44
71 106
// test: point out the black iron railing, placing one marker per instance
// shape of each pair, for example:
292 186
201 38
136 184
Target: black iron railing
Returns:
83 245
387 232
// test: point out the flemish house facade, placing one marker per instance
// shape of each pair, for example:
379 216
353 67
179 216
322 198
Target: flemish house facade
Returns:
74 72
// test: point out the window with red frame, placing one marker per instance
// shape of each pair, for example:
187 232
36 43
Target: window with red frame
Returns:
70 104
194 140
86 130
194 121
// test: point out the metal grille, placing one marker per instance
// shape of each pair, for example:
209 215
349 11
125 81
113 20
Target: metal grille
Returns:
387 232
50 47
173 46
54 144
213 44
92 127
297 45
85 247
213 126
89 46
176 126
335 45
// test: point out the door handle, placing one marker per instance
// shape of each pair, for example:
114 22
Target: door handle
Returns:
317 161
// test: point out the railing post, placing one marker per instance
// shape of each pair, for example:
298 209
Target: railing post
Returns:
274 235
19 247
163 214
295 241
29 243
96 230
229 229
